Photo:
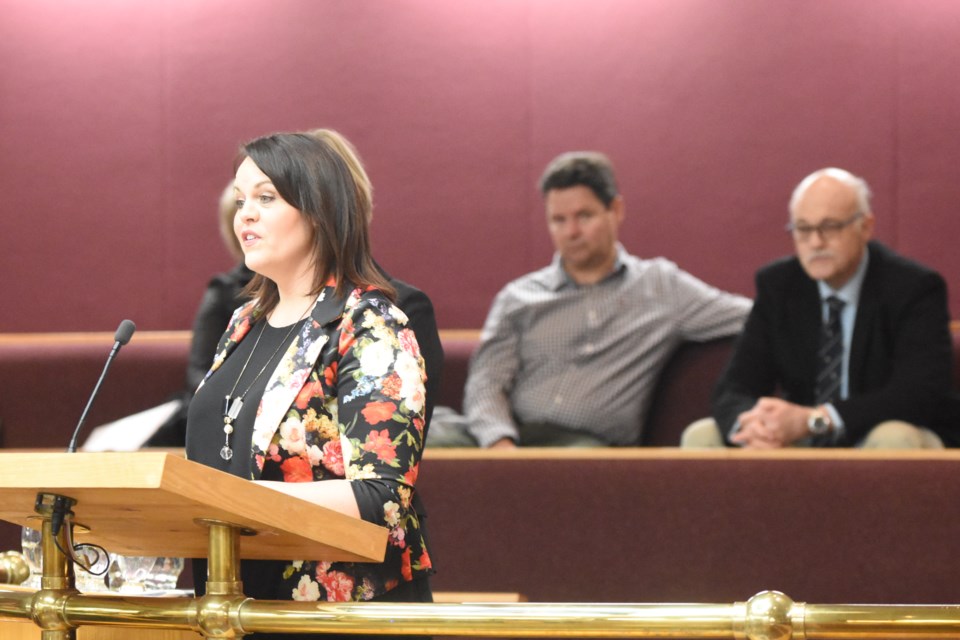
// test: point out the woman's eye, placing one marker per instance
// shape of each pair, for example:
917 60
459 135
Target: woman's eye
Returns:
267 198
239 204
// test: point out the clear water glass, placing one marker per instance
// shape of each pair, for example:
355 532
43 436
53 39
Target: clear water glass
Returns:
113 572
85 581
145 574
94 580
164 574
30 547
133 572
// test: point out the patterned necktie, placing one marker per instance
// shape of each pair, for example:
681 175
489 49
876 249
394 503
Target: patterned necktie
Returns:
830 355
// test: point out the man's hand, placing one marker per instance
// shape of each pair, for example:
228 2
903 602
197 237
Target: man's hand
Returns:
772 423
753 433
504 443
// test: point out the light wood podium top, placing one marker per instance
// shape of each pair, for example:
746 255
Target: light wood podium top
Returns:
149 504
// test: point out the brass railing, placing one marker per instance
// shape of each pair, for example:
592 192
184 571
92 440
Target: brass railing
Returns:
766 616
57 608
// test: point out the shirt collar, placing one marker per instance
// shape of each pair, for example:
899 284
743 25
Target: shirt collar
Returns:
560 279
850 292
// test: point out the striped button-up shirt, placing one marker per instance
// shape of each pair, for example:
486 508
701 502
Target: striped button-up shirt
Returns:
587 358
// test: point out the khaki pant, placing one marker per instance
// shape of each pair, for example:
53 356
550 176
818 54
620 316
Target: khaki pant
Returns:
892 434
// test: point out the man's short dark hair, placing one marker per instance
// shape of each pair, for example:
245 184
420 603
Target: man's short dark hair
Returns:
590 169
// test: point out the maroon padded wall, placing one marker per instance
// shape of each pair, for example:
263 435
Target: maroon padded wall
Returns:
668 529
119 121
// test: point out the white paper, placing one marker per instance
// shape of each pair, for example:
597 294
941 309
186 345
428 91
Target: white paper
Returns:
129 433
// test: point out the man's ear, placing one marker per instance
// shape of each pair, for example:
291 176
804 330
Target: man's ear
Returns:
867 225
617 206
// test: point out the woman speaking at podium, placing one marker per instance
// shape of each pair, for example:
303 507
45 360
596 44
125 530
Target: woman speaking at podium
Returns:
317 388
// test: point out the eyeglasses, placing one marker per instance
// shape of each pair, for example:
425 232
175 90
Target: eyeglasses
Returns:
828 229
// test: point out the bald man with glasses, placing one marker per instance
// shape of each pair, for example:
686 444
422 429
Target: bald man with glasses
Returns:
847 344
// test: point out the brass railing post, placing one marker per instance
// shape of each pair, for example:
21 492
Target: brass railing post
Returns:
56 581
223 559
218 612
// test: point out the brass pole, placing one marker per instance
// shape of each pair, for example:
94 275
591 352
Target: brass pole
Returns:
146 612
216 613
223 565
493 620
767 616
57 568
882 621
56 583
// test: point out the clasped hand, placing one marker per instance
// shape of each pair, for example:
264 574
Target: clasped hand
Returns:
772 423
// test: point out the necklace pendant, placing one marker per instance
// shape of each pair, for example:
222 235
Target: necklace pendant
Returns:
226 453
234 410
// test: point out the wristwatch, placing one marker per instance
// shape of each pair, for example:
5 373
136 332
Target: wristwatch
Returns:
819 422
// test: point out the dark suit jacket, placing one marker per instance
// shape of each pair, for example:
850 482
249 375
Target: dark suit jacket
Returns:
900 354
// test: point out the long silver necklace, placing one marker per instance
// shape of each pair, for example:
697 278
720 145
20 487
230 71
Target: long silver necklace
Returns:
232 405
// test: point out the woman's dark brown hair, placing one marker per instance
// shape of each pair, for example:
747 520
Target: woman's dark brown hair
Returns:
313 178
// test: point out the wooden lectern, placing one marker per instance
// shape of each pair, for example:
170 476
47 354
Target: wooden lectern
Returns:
160 504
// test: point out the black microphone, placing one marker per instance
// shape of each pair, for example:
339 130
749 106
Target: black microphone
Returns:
121 337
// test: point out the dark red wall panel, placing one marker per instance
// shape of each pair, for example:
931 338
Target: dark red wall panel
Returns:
119 122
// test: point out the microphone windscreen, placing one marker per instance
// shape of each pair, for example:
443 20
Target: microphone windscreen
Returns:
125 332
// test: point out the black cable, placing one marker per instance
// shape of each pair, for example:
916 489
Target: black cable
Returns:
75 557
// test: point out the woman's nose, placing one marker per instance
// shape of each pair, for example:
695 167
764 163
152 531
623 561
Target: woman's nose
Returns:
247 211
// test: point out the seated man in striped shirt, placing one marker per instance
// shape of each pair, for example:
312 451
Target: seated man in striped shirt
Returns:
570 354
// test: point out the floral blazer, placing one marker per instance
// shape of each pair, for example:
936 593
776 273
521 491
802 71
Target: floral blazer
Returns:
346 400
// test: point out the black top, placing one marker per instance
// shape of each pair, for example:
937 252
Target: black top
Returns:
204 444
207 408
221 298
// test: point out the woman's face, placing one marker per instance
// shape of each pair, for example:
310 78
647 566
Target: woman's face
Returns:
275 237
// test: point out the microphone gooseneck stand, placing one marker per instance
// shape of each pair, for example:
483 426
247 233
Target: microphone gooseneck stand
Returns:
57 509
